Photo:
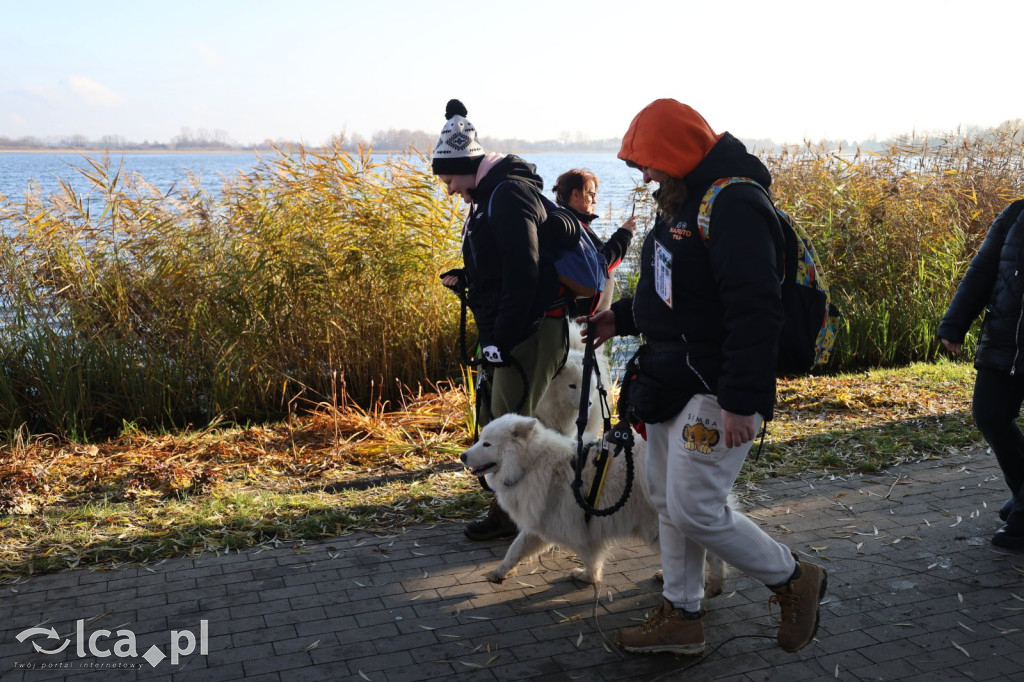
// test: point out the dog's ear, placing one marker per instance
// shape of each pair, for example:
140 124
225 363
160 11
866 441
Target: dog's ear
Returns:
524 428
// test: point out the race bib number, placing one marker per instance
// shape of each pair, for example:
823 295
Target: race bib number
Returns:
663 272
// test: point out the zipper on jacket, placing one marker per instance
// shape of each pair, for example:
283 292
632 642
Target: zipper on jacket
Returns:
707 387
1016 352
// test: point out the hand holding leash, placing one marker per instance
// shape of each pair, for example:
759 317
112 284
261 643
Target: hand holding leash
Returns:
600 327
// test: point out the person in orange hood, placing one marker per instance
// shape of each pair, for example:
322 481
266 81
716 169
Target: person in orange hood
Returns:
703 381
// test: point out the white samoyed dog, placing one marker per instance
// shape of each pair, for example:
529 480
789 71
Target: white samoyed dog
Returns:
530 469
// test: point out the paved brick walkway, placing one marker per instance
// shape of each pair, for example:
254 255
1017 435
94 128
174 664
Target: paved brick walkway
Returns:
916 594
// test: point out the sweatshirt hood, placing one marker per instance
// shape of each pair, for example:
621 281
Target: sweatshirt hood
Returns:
508 167
729 157
668 136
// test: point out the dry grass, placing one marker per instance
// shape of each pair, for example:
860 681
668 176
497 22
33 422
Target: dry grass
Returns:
143 497
897 229
125 304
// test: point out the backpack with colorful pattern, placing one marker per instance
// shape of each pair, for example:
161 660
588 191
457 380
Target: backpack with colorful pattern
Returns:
809 331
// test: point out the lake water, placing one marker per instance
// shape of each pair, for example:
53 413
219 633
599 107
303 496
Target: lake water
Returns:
166 170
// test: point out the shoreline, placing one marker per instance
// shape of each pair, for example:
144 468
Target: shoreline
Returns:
134 150
252 150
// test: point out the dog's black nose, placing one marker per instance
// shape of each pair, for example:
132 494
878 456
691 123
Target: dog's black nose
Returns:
463 457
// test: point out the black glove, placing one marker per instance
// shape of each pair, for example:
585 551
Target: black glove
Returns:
460 274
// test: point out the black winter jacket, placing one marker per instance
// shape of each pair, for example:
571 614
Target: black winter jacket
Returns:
511 285
725 294
994 283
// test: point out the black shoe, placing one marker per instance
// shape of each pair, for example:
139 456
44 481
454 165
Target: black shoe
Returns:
495 526
1004 511
1009 537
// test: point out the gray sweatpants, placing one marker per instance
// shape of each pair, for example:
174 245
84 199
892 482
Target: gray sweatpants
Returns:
690 473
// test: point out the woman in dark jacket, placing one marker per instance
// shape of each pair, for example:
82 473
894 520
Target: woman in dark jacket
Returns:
710 314
995 283
576 190
514 293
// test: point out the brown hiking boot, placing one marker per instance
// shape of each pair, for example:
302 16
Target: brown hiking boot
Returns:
799 600
669 630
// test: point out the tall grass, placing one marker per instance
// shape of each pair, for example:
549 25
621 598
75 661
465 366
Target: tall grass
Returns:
313 278
313 275
896 231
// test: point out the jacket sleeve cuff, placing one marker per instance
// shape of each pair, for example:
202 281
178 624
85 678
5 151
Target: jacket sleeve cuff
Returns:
624 324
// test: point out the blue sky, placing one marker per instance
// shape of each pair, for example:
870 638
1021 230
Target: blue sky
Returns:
308 69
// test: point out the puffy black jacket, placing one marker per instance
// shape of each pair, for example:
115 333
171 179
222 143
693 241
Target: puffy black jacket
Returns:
994 283
511 285
725 294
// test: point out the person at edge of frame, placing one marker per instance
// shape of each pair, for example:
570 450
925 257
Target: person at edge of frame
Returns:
993 283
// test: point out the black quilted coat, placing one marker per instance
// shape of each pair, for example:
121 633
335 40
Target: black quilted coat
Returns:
994 283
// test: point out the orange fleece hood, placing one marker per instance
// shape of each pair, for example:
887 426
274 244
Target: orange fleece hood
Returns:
668 136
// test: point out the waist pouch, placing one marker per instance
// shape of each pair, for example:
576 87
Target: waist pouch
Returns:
661 380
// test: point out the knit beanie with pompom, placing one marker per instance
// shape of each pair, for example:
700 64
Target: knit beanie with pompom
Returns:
457 152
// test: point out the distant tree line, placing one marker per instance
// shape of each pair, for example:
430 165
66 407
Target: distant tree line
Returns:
391 140
404 140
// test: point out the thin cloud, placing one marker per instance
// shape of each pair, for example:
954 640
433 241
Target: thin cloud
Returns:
209 55
93 93
34 92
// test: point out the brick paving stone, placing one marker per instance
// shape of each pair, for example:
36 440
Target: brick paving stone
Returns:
266 635
232 671
911 572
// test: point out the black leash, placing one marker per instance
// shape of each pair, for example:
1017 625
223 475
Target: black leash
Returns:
621 436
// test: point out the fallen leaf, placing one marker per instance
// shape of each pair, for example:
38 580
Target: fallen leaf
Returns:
960 649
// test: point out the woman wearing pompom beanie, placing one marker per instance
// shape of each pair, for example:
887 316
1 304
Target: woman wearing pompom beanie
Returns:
517 302
710 314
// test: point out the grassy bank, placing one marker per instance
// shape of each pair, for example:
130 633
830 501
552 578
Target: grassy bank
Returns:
142 498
